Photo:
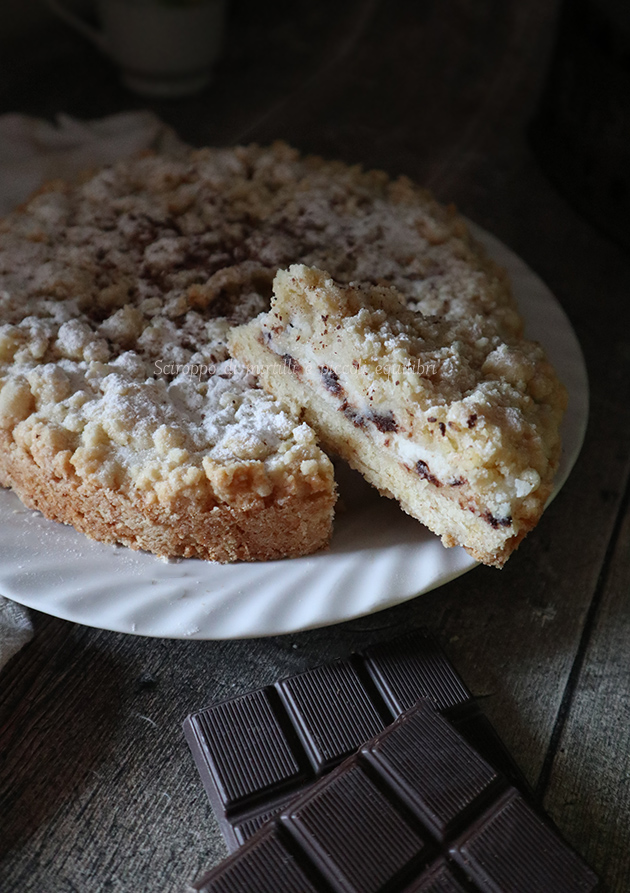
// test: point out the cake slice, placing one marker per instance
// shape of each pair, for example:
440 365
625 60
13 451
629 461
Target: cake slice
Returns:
453 417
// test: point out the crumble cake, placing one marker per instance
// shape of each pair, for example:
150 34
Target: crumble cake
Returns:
454 417
121 410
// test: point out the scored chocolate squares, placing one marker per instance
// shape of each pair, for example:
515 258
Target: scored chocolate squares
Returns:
417 810
256 752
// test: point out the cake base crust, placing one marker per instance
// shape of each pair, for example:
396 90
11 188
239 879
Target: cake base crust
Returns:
295 526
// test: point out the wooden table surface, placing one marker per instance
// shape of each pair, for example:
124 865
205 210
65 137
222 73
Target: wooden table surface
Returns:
98 789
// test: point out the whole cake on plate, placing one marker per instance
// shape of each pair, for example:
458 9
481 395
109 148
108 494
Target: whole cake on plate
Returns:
122 411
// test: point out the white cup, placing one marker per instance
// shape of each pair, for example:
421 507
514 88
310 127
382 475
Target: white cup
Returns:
163 49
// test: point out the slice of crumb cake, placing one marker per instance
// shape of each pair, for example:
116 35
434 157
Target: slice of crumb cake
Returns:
453 417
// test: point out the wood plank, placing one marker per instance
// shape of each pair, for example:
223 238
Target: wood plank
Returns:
590 782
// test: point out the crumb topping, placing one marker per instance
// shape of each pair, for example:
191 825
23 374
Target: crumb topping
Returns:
461 406
117 295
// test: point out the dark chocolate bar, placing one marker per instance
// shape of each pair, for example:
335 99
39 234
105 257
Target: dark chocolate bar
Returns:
256 752
417 810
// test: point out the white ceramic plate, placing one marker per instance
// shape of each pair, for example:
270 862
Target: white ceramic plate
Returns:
378 555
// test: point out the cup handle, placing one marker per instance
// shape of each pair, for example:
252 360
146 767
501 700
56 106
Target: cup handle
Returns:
79 25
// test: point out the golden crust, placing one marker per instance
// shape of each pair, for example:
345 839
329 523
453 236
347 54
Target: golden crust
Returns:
190 528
